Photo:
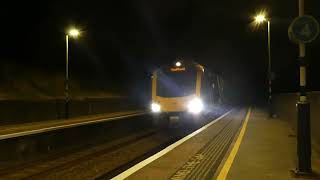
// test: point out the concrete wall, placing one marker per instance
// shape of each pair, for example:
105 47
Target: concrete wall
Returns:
17 111
285 106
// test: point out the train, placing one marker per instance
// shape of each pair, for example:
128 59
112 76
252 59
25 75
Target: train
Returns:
185 90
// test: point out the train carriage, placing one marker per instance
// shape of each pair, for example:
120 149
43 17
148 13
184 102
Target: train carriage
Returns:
185 89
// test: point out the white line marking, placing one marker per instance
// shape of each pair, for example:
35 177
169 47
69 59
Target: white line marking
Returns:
47 129
147 161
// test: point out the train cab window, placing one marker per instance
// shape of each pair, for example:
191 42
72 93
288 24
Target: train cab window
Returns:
176 84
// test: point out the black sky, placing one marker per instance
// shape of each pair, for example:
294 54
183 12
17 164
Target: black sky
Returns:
132 37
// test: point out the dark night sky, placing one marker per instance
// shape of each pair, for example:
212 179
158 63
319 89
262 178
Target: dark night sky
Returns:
133 37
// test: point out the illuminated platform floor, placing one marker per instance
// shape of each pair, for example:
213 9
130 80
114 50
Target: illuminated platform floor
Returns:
241 145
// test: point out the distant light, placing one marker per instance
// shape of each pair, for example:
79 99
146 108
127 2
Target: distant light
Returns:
260 18
74 32
178 64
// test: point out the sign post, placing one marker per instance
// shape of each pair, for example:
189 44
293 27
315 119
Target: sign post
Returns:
304 29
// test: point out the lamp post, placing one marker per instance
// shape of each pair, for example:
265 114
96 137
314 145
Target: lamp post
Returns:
74 33
261 18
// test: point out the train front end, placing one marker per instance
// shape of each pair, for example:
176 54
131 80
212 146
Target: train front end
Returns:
176 91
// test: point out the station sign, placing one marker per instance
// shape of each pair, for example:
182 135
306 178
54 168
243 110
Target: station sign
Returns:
303 29
177 69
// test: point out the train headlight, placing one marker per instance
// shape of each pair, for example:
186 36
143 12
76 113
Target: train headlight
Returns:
155 107
195 106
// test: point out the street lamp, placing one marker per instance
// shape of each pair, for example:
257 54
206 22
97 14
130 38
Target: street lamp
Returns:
259 19
73 33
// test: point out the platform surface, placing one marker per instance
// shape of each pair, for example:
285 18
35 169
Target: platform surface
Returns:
266 150
17 130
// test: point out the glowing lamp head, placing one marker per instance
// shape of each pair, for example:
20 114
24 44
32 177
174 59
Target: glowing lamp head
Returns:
74 32
260 18
178 64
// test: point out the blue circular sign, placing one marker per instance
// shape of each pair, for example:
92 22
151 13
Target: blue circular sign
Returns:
304 29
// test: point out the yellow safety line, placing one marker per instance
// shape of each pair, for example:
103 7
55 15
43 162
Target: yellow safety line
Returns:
227 165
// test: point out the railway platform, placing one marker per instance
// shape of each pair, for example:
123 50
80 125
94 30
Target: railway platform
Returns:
24 129
242 144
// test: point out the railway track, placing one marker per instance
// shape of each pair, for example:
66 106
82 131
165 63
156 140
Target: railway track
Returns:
99 161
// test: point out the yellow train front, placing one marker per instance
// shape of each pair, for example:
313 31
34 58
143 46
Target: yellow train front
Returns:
184 91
